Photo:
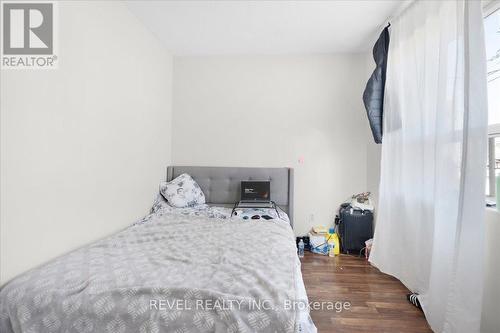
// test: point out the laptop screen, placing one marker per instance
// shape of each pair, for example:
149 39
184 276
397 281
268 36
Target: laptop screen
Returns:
256 190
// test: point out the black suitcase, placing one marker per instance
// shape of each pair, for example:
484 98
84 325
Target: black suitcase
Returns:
355 227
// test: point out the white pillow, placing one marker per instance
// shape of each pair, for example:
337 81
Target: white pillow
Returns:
182 191
270 213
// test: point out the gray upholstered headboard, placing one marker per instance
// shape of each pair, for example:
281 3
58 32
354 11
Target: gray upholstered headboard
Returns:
221 185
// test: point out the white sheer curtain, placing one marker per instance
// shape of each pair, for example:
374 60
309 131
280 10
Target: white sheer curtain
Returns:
430 222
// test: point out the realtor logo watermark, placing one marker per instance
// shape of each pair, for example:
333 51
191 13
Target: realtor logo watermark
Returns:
29 35
247 304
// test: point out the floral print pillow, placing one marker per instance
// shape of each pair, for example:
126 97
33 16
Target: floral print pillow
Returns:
160 202
182 191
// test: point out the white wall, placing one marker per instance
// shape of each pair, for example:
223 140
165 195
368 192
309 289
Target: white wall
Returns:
373 150
84 146
269 111
373 155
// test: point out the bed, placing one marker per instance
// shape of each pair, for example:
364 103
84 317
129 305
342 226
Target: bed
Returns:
194 269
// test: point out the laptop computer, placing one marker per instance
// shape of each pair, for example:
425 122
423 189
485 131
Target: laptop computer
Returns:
255 194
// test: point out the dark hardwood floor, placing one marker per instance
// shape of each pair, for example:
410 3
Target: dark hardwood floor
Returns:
378 301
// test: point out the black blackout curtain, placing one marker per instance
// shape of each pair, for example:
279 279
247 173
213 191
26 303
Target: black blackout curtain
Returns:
373 96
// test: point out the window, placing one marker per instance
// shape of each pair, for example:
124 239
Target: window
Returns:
492 38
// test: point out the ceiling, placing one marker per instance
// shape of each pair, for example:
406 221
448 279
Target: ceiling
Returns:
264 27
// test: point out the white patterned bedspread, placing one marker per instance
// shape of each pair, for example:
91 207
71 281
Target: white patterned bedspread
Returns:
211 273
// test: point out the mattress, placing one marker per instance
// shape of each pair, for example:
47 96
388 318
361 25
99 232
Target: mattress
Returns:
189 260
